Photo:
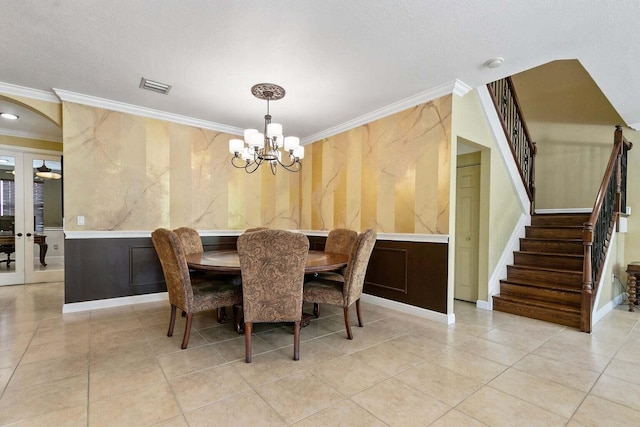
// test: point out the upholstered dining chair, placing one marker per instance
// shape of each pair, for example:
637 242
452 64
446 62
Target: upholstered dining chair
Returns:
192 244
345 293
272 264
207 295
190 239
340 241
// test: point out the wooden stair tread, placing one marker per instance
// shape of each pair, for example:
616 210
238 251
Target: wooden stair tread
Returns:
555 286
553 254
549 239
551 270
542 304
556 226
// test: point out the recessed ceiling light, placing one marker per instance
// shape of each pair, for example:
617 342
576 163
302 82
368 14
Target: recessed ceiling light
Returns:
8 116
494 63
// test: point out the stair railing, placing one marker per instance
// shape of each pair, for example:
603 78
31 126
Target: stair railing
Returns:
596 233
515 129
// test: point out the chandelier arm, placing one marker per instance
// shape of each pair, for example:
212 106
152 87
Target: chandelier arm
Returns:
251 167
237 158
296 166
293 161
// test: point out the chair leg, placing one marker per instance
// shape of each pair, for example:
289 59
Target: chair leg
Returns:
347 325
187 331
358 312
316 310
238 322
247 341
221 314
296 340
172 322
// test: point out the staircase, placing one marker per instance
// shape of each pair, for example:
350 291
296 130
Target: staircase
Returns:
545 280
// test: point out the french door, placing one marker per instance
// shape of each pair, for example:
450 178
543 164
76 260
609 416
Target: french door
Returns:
31 229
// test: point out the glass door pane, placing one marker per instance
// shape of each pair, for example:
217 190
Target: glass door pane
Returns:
43 218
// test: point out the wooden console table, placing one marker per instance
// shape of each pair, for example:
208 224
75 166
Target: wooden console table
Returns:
633 278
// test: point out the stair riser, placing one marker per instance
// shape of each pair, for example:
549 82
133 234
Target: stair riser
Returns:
559 220
572 299
553 233
556 247
522 274
549 261
532 312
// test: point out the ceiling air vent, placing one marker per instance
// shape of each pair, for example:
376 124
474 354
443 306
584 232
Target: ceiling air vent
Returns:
154 86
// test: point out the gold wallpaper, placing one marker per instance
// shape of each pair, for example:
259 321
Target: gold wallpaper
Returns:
125 172
392 175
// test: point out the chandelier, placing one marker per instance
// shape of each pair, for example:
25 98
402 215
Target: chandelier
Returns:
267 146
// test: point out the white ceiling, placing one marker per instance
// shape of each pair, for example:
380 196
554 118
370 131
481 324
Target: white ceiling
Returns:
338 60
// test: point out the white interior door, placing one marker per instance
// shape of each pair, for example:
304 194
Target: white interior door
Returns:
31 234
43 232
12 235
467 231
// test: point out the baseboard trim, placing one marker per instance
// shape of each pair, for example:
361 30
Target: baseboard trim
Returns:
506 258
75 307
485 305
598 315
409 309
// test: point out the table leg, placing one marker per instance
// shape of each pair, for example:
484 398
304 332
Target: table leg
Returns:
43 252
631 288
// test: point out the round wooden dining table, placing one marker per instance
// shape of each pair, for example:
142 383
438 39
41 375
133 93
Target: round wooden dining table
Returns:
227 261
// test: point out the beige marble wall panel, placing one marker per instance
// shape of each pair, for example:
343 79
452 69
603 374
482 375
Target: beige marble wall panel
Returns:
305 193
125 187
392 175
320 201
382 134
205 170
341 164
124 172
78 163
180 177
369 183
158 157
353 152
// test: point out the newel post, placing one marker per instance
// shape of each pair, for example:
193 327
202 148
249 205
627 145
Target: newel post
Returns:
587 284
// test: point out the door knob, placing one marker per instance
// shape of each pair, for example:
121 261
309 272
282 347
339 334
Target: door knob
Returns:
466 238
28 234
19 234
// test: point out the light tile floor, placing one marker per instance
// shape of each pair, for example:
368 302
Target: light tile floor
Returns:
118 367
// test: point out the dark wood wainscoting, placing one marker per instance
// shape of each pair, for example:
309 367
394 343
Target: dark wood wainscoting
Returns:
108 268
414 273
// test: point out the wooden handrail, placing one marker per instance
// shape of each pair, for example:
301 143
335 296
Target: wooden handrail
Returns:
516 131
605 215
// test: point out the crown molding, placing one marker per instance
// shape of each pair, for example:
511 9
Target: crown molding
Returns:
121 107
456 87
41 95
460 88
30 135
635 126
